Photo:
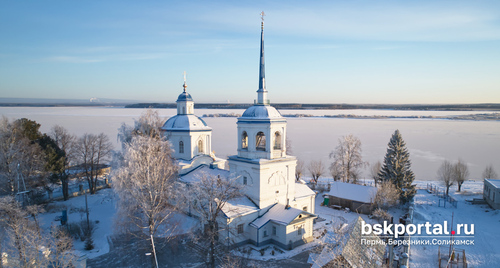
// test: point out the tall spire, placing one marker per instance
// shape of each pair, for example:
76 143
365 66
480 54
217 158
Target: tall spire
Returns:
262 92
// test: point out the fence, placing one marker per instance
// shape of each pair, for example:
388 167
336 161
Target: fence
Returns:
441 193
75 188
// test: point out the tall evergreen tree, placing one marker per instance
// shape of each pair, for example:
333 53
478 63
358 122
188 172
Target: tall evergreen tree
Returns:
397 167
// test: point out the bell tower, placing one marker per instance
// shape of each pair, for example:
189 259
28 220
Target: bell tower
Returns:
263 167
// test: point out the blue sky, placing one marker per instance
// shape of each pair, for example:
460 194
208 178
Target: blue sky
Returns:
316 51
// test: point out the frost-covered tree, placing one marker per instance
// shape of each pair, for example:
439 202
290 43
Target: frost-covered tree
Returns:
145 186
347 159
316 169
92 151
397 167
387 195
445 174
460 173
148 124
26 244
489 173
207 198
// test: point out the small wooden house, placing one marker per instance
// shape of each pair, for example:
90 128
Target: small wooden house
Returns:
491 192
357 198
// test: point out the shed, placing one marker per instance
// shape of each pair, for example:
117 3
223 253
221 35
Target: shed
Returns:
491 192
358 198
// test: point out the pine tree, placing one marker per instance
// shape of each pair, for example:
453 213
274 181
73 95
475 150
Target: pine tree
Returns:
397 167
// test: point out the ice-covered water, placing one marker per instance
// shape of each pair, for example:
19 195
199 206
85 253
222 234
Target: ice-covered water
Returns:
430 141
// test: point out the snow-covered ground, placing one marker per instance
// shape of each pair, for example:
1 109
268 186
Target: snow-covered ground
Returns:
486 249
102 211
484 253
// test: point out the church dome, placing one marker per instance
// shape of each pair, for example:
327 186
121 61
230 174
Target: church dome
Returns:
186 122
184 96
261 111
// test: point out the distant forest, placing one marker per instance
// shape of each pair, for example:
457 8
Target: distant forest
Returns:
326 106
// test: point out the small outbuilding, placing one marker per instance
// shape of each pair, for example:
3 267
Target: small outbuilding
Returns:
357 198
491 192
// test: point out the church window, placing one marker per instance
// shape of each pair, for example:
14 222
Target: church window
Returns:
277 140
200 146
304 208
265 233
245 180
274 230
299 231
181 147
244 140
260 144
240 229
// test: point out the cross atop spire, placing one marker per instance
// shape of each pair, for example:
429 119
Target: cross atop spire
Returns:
184 86
262 92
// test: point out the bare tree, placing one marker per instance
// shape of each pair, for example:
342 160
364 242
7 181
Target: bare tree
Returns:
316 168
66 143
489 173
335 172
144 184
347 159
210 194
387 195
299 170
91 151
460 173
374 171
445 174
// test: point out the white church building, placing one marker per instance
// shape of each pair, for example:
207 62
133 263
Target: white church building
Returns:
274 208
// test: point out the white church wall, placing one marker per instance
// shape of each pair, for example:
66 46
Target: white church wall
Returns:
234 236
308 202
298 237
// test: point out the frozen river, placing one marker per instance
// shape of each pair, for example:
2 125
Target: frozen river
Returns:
430 141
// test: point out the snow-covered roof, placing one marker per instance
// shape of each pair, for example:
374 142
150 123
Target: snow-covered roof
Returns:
239 206
185 122
494 182
261 112
354 192
203 170
184 96
302 190
279 214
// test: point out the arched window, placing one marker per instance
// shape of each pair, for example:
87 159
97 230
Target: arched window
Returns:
244 140
277 140
260 141
181 147
200 146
